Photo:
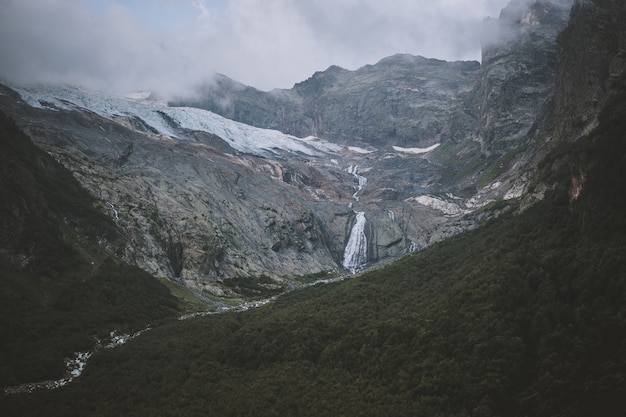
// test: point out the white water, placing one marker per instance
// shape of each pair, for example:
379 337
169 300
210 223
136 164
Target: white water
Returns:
74 367
413 247
360 180
355 253
115 214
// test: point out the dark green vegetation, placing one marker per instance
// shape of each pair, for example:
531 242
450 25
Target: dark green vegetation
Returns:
525 316
260 287
58 289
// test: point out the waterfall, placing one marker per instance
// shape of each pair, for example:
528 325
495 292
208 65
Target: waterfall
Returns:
361 180
355 253
115 214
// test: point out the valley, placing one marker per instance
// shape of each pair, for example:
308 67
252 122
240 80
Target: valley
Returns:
413 237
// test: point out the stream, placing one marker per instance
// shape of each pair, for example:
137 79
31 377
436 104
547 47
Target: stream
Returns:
74 367
354 259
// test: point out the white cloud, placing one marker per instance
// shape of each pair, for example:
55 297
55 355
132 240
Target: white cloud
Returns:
205 17
269 43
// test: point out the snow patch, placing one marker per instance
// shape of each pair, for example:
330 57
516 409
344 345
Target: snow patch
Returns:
139 95
415 151
359 150
515 192
449 209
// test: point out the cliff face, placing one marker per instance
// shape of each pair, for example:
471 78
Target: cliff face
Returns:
517 78
591 63
188 210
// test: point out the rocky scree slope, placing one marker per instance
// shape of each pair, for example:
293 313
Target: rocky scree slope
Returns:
203 199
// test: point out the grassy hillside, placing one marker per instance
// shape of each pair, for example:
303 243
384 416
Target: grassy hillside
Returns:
525 316
58 288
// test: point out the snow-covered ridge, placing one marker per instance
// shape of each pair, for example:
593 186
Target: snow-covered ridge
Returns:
158 116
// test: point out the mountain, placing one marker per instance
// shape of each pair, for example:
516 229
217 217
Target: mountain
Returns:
358 168
410 101
523 316
402 100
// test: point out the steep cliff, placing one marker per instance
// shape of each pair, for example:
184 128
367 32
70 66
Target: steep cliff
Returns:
591 62
517 77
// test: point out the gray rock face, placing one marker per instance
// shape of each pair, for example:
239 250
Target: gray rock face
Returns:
189 212
517 78
420 146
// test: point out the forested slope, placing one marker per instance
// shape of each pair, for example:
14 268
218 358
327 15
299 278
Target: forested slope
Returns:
525 316
58 287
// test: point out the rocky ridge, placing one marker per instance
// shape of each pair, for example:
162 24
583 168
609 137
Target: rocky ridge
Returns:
402 100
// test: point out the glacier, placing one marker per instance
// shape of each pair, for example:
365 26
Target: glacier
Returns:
159 116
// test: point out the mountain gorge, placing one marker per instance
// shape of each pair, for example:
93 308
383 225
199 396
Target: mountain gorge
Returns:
420 147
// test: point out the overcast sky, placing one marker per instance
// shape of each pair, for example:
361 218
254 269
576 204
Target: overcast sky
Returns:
170 45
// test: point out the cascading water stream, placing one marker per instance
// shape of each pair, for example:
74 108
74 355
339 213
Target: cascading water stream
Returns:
361 180
355 253
115 213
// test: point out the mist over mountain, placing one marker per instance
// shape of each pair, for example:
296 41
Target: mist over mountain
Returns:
501 180
170 47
